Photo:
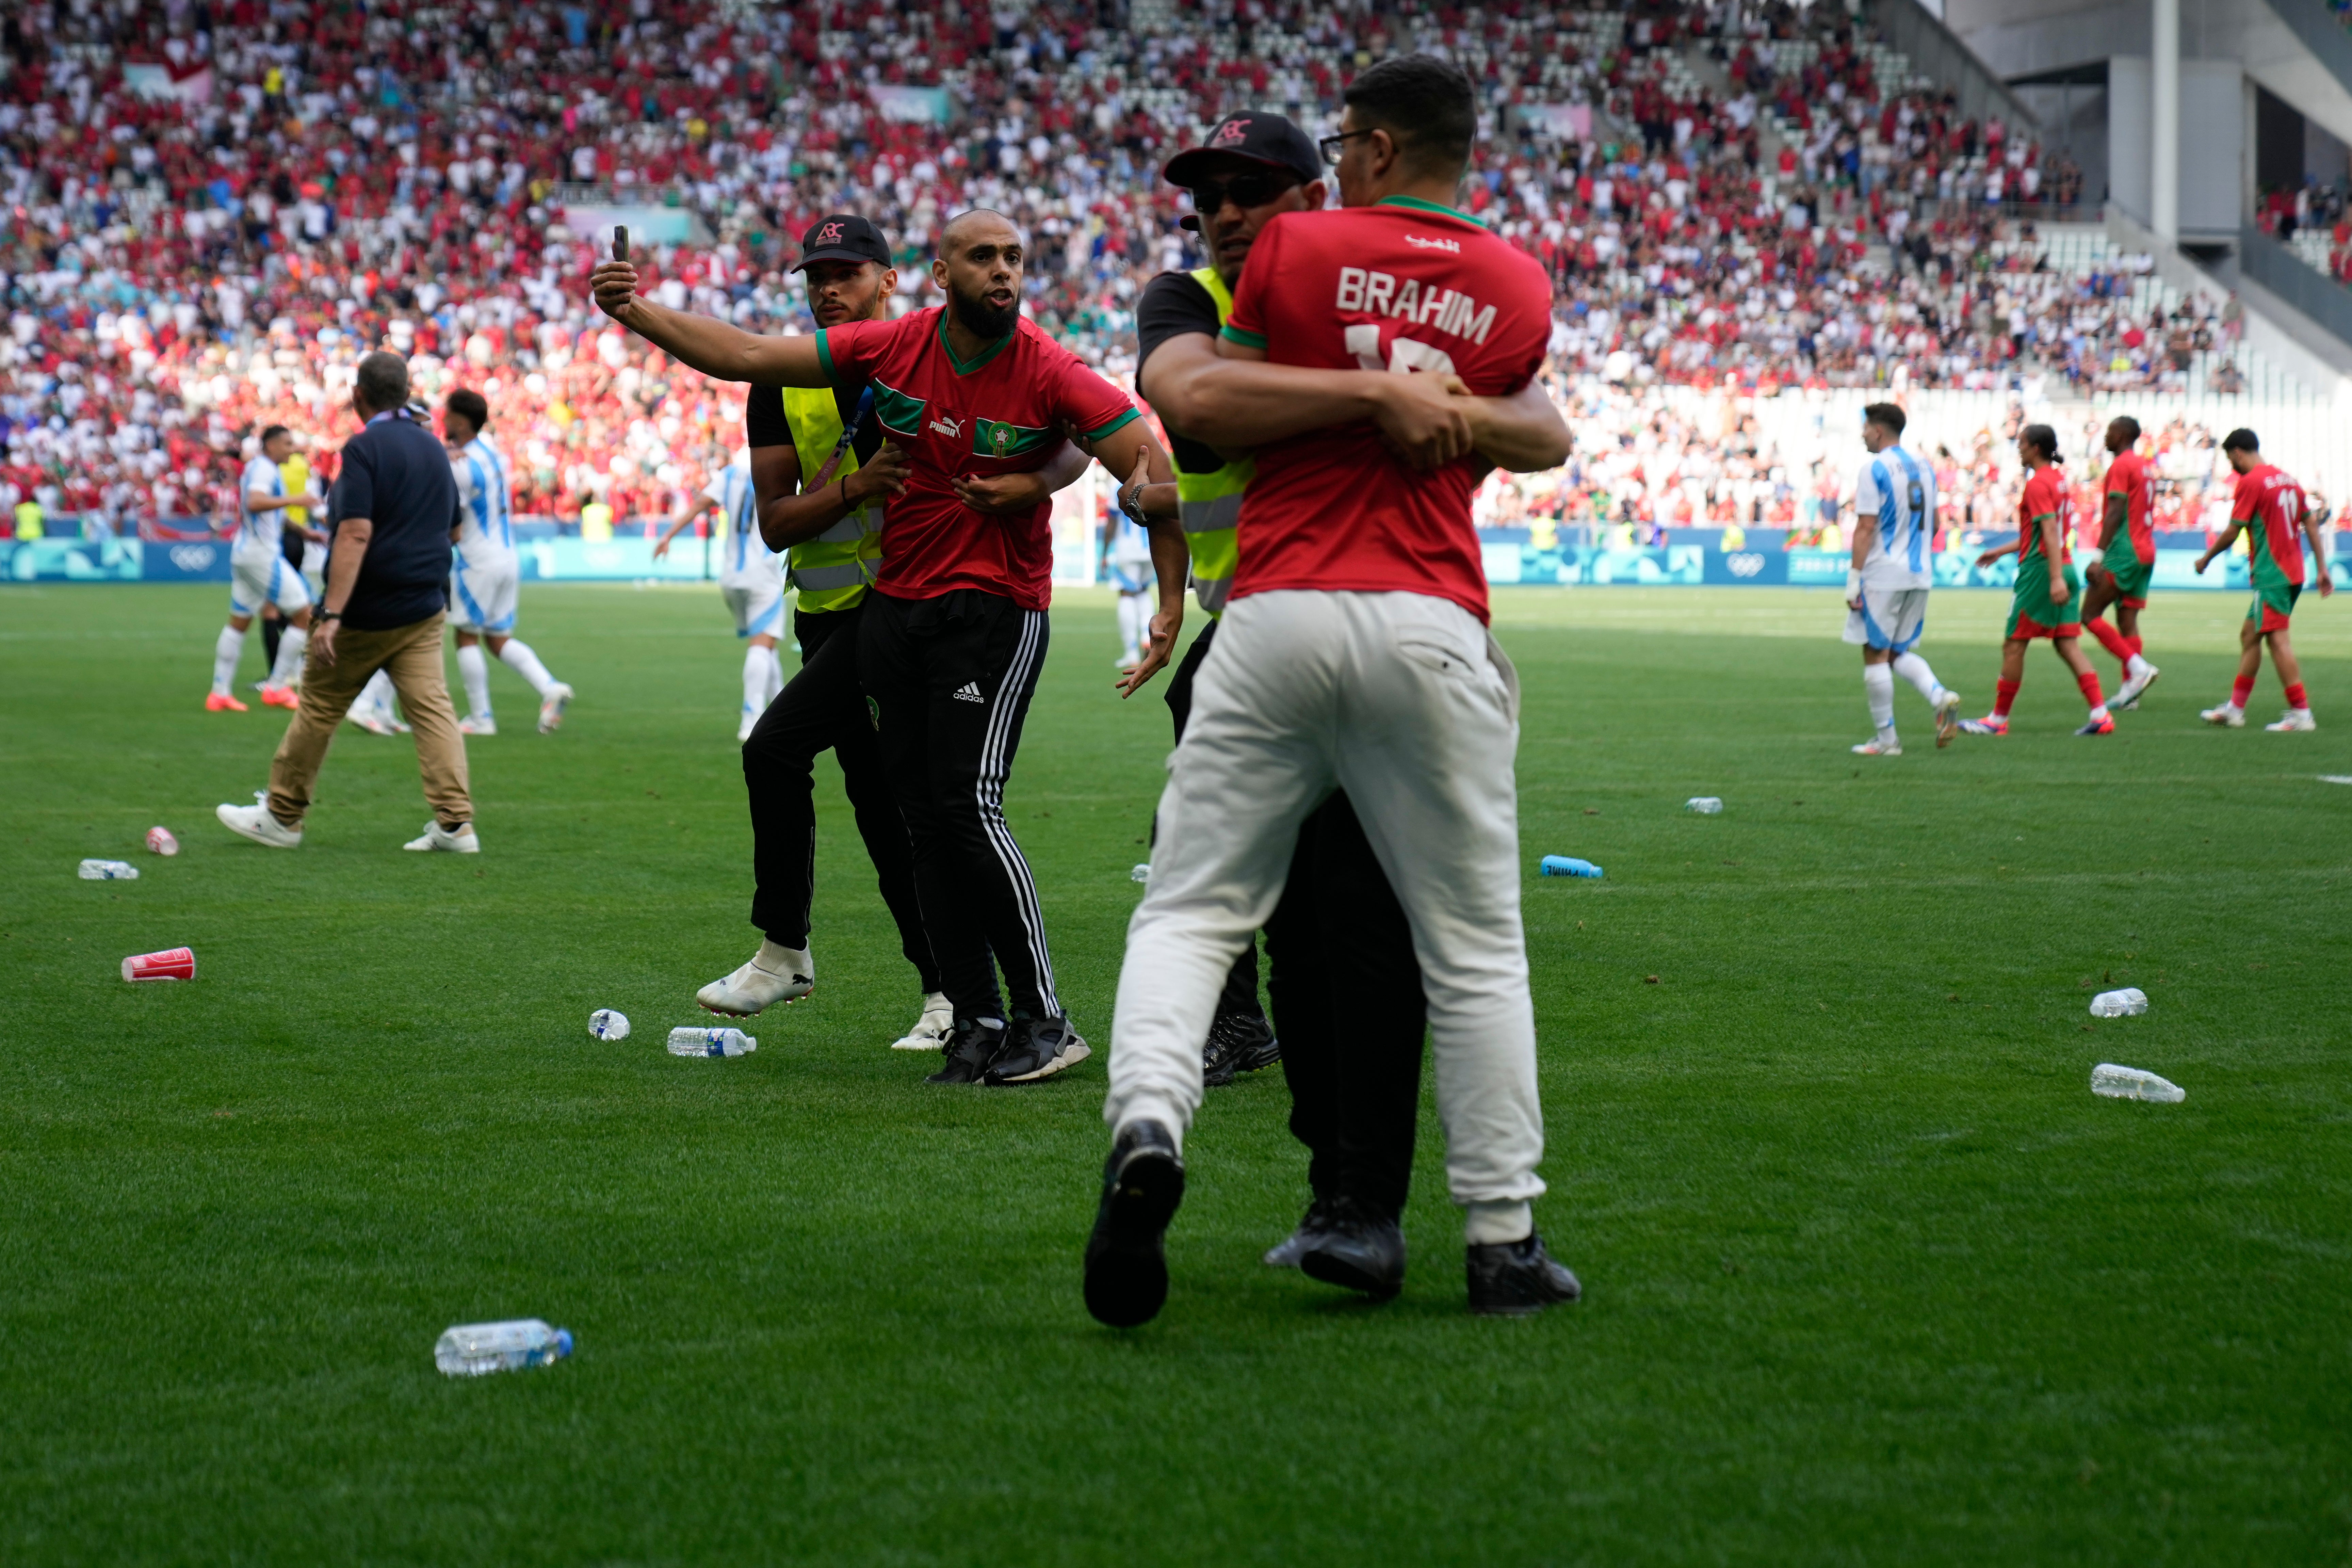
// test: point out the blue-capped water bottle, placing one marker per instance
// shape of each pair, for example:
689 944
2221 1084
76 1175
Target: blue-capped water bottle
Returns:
690 1042
1569 866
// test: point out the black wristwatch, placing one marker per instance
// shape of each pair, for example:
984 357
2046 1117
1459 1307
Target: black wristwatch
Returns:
327 616
1131 502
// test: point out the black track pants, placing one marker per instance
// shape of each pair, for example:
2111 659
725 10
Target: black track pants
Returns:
1239 997
824 708
951 679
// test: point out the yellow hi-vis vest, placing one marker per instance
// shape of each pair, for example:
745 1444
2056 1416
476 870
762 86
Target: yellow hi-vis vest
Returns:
833 570
1210 503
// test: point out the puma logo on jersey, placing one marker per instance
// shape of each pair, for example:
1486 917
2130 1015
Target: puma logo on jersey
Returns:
1427 305
968 692
952 428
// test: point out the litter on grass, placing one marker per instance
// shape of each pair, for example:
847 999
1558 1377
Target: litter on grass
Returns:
108 871
1705 804
2129 1002
469 1350
1569 866
607 1025
172 963
2134 1083
160 841
1140 874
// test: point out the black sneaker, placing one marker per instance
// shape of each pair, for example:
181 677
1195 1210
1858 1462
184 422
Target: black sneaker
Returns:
1513 1278
975 1043
1286 1253
1235 1040
1039 1048
1360 1248
1143 1181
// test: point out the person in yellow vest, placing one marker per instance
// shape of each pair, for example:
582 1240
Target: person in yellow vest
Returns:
596 521
823 474
28 519
1339 939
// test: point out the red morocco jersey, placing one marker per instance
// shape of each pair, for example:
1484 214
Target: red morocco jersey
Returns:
1403 286
2271 506
1001 413
2128 477
2046 495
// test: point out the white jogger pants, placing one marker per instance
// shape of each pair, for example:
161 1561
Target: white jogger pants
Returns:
1404 701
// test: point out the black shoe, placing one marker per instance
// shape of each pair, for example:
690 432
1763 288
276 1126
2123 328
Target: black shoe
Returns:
1143 1181
1235 1042
1286 1253
1512 1279
1039 1048
1360 1248
976 1043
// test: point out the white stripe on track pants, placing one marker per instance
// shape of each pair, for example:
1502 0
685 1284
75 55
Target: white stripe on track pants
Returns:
1405 701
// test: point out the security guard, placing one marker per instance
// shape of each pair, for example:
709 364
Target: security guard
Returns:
1345 980
823 474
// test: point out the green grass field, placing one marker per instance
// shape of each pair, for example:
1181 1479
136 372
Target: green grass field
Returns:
1871 1276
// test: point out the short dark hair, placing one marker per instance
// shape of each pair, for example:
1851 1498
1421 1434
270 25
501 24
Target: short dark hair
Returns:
1425 104
382 381
2042 437
471 407
2130 425
1885 413
2241 440
271 432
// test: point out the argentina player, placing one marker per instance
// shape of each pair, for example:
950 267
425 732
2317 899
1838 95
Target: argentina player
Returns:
1886 588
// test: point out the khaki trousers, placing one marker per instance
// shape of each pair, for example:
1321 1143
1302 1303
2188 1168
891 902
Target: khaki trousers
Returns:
411 656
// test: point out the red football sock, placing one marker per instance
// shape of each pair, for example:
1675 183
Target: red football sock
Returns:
2296 697
2089 681
2133 643
2241 690
2110 639
2004 692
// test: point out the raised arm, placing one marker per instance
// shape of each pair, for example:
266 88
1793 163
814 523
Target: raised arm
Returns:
710 346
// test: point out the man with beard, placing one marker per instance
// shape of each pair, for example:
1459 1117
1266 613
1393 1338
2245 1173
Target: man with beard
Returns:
954 628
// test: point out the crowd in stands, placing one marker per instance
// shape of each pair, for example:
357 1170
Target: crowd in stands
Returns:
215 207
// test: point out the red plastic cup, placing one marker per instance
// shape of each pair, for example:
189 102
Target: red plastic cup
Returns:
160 841
179 964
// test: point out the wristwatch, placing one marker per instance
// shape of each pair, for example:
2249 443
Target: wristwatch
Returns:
1131 502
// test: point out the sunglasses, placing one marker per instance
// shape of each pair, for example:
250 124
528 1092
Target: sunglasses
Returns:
1245 191
1334 147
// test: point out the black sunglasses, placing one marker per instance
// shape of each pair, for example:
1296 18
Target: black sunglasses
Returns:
1332 147
1245 190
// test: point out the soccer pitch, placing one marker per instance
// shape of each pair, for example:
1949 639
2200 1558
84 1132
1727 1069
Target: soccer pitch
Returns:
1871 1276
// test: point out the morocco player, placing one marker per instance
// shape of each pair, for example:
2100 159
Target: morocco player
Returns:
1354 654
2127 561
260 574
2043 603
2270 508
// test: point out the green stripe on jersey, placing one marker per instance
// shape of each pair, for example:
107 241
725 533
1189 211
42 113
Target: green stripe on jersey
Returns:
1001 439
1247 340
898 412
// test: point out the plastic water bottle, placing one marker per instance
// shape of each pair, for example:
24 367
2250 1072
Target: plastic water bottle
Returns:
108 871
607 1025
2126 1002
1569 866
470 1350
711 1043
1140 874
1705 804
2134 1083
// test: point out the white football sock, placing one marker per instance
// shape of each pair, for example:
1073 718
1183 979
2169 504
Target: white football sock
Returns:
377 694
474 669
1914 668
227 649
757 662
288 668
516 656
775 677
1878 685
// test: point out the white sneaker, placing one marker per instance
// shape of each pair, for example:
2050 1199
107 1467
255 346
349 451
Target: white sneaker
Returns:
437 836
931 1030
551 707
2128 694
255 822
469 725
2294 719
787 976
1948 718
1879 749
2230 716
373 721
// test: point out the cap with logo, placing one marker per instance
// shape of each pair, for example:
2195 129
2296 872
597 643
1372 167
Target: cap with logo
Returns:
1258 136
843 236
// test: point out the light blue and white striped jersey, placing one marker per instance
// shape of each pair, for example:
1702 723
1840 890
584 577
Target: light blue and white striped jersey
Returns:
485 532
265 529
1899 490
743 553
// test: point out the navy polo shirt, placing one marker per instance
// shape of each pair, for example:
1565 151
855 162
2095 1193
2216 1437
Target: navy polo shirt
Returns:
396 474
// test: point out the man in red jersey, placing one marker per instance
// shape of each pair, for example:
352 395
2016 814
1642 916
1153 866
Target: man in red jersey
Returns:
2127 561
1354 655
2270 506
954 628
2046 598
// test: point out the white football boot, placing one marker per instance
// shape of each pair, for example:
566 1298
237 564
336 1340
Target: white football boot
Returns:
2292 719
2134 687
1886 746
551 707
774 974
469 725
437 836
2230 716
255 822
931 1030
1948 718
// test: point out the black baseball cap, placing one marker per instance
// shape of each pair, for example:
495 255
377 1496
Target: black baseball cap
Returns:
1262 138
843 236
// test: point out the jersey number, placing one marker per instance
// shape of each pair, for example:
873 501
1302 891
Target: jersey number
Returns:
1405 355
